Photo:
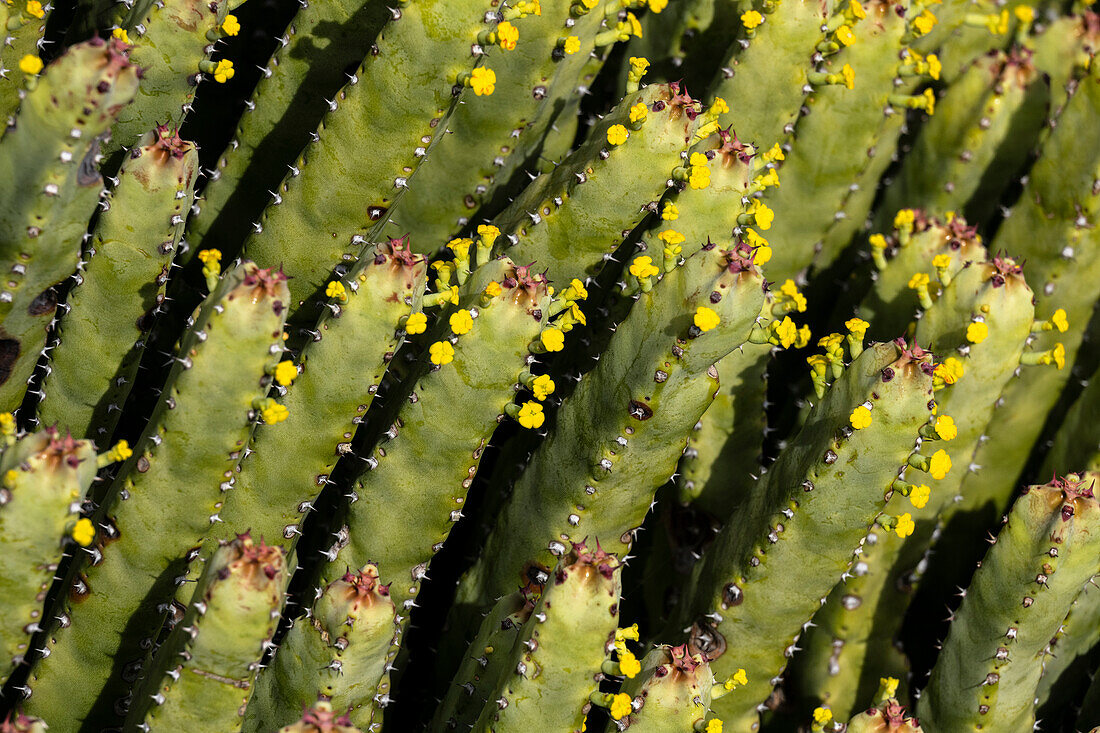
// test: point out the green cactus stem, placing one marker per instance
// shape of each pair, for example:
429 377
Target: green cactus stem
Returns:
337 651
120 288
171 488
988 671
49 187
201 676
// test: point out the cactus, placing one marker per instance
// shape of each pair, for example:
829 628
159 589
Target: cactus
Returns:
462 348
1044 554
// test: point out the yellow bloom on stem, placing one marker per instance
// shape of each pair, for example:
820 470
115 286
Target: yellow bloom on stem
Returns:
857 327
285 373
507 35
336 289
639 112
621 706
629 664
461 322
224 71
860 417
976 332
918 496
34 7
274 413
441 352
531 415
617 134
945 427
121 34
30 64
751 19
822 715
670 212
705 319
714 725
905 525
763 215
848 74
483 81
845 36
542 387
571 45
231 26
417 323
940 464
1059 320
904 218
84 532
552 339
643 267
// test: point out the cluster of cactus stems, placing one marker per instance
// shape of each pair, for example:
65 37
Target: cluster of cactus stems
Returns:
489 379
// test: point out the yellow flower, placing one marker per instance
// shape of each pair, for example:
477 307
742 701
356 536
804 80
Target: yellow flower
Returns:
934 66
543 387
657 5
920 280
483 81
763 254
34 7
207 256
822 715
552 339
441 352
905 525
274 413
946 428
418 323
671 236
493 289
120 452
461 322
670 212
849 75
764 215
929 101
714 725
857 9
223 72
904 218
575 291
286 373
507 35
769 179
643 267
877 241
10 477
336 289
530 415
941 262
860 417
751 19
630 633
30 64
1024 13
976 332
231 26
803 337
889 686
639 112
1058 354
786 332
857 327
84 532
122 35
1059 320
774 153
719 106
924 22
699 177
570 45
617 134
918 496
639 65
845 36
739 677
698 159
621 706
705 318
488 232
7 423
940 464
951 370
629 665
